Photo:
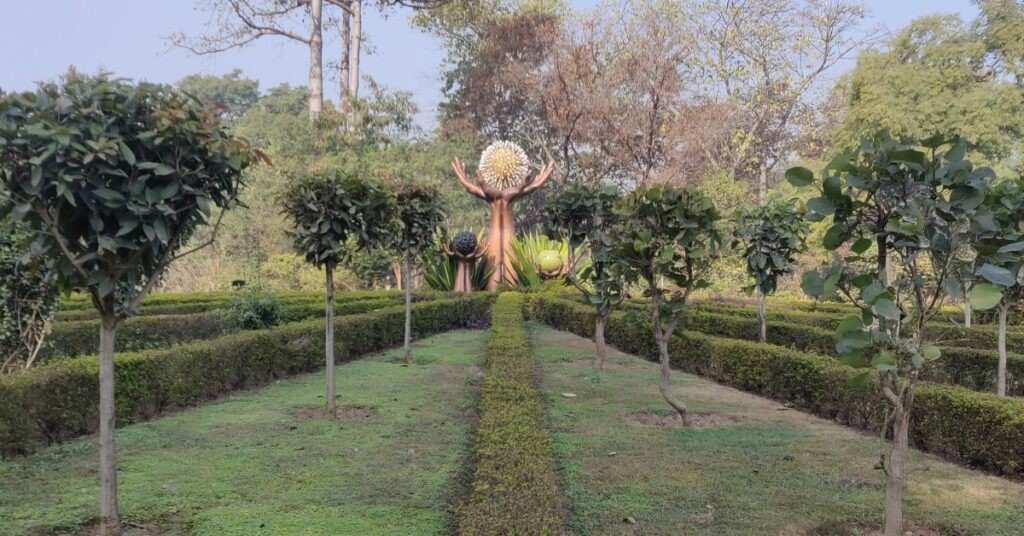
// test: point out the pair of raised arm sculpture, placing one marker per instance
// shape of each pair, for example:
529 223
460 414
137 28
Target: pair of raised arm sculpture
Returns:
501 180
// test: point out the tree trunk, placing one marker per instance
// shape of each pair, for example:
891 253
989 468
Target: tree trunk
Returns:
968 313
896 481
662 337
345 34
110 522
331 397
762 317
1001 373
407 283
602 348
355 47
316 60
762 183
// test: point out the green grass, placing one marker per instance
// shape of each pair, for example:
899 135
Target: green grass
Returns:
771 471
247 465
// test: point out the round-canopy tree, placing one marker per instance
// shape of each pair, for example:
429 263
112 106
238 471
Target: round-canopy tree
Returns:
923 207
419 212
335 214
581 215
664 235
771 235
116 177
1000 256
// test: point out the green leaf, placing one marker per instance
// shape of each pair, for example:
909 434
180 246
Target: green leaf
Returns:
930 352
884 360
886 308
813 284
1012 248
799 176
985 296
821 206
834 237
998 275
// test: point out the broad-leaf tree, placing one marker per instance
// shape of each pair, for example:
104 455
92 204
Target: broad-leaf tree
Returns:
1000 255
904 213
666 238
116 178
334 215
419 213
771 236
581 216
28 297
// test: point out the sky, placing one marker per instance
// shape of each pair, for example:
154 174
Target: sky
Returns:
39 40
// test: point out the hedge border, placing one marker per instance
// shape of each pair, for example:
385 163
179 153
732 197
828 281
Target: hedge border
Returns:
59 402
978 429
514 485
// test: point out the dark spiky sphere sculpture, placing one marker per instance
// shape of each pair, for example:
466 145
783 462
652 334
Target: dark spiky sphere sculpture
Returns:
464 243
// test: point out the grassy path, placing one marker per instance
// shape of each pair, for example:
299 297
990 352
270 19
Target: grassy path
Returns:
758 469
252 465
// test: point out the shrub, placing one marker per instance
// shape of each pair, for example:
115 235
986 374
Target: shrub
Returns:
514 487
57 402
978 429
252 310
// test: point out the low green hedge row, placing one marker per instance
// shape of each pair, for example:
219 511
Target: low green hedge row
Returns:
514 487
975 428
59 402
70 339
968 366
80 301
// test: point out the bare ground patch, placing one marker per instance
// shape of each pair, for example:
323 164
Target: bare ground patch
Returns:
344 413
671 420
860 529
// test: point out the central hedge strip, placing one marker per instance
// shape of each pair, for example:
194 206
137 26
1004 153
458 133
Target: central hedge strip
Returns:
59 401
514 487
978 429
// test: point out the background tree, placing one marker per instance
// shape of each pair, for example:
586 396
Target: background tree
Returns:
419 214
580 215
665 235
231 94
28 297
116 178
921 205
771 237
1000 255
333 213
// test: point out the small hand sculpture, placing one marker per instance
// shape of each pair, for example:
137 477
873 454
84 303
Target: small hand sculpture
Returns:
464 264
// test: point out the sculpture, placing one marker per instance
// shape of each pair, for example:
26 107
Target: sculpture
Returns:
501 180
466 251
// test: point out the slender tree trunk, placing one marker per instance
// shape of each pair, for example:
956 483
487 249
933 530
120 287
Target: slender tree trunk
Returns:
968 313
762 317
662 337
601 347
316 61
1001 373
345 31
332 403
407 283
762 183
355 47
110 521
896 482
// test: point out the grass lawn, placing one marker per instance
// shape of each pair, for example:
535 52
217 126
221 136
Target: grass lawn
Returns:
758 469
254 464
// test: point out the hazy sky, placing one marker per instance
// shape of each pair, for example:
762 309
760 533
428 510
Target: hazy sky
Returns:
39 40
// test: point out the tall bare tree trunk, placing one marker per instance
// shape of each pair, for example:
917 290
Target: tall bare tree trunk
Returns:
968 313
316 60
762 183
602 348
662 337
345 34
110 521
332 403
762 317
355 47
1001 372
407 284
896 468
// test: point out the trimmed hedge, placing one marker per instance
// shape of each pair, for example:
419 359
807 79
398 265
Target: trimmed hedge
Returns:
514 487
82 302
964 366
978 429
70 339
59 401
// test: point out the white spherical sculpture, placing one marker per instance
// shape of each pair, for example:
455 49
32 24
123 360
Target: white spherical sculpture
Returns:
504 165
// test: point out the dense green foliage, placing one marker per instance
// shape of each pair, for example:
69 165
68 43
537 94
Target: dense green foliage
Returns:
28 298
58 402
514 487
771 237
252 310
975 428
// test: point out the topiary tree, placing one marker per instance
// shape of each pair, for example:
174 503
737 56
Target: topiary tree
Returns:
771 235
116 178
920 207
28 297
334 214
581 216
419 212
1000 256
665 235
